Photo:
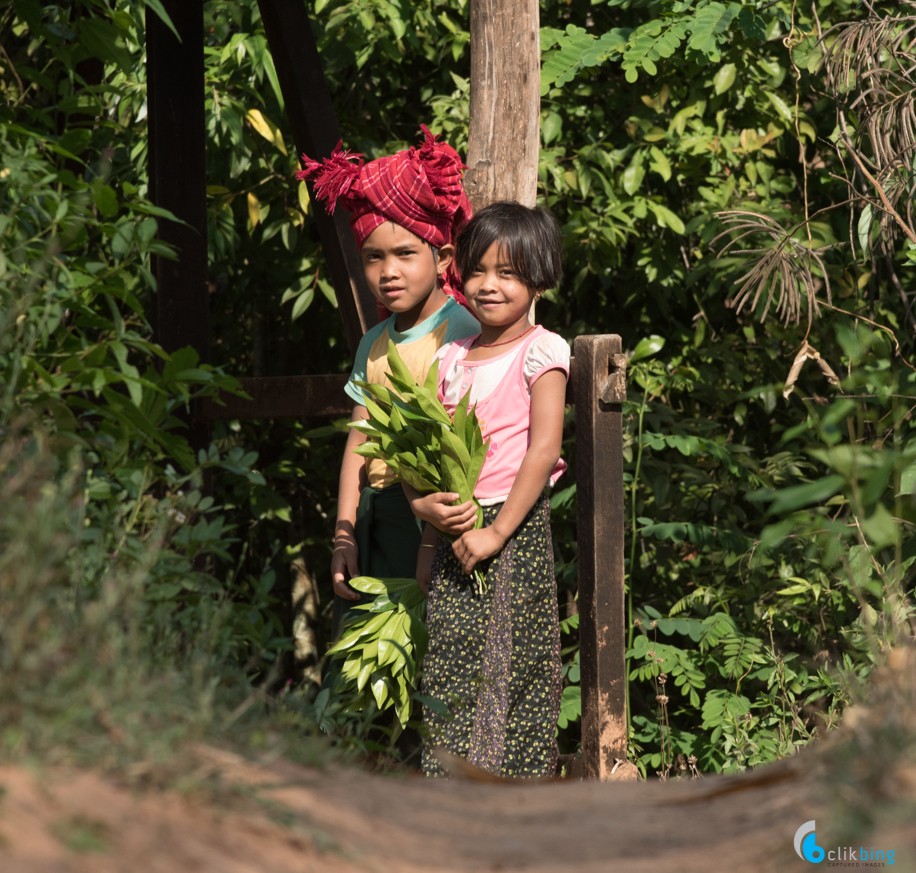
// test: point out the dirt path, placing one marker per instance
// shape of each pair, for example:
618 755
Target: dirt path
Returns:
343 822
282 818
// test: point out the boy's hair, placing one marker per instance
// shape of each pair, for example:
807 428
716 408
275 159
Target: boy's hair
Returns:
530 239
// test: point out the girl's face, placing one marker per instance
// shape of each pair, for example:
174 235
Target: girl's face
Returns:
495 294
403 273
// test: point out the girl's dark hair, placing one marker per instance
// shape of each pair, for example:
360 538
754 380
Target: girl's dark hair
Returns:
529 239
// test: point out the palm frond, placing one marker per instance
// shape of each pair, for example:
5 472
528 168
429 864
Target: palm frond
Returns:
783 270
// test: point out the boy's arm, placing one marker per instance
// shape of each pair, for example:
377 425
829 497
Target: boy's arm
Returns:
548 398
345 559
425 557
440 510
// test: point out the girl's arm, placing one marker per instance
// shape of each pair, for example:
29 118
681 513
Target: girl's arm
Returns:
548 398
345 559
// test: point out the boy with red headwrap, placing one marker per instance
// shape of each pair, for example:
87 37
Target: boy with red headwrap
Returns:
405 211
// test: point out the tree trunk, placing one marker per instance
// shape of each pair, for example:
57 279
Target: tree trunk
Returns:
503 136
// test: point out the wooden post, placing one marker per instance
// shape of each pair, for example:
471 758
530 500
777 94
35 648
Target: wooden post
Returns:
600 389
315 131
177 149
504 131
177 170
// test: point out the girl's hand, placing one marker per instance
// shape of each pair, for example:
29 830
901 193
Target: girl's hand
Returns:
439 510
475 546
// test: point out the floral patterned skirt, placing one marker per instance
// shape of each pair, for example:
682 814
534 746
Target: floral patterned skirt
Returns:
493 663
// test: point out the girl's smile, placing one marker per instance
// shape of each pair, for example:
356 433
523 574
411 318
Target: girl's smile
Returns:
497 296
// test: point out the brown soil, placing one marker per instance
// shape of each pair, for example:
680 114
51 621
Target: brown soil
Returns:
282 818
342 822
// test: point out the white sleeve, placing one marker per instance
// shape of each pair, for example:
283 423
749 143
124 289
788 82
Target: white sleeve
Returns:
548 352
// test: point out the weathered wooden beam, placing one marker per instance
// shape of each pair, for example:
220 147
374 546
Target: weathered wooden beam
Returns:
177 170
177 152
600 389
281 397
505 102
316 132
315 396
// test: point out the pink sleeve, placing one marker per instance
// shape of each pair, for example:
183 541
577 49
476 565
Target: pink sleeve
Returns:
548 352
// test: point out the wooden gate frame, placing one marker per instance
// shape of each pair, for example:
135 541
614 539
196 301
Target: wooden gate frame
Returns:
597 384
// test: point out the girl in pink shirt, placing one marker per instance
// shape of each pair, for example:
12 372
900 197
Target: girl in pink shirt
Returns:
493 662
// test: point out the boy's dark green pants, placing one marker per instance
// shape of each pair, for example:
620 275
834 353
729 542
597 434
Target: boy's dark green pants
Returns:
387 540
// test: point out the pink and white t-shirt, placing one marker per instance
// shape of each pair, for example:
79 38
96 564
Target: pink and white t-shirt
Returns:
501 391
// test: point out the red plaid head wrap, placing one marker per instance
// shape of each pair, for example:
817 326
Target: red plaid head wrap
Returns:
418 188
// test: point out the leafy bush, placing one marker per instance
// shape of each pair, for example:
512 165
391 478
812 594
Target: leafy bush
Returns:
696 156
127 604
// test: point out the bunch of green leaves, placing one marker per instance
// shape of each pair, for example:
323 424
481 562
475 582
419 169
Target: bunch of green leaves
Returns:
382 646
410 429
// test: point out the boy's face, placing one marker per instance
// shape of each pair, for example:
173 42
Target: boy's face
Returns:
402 272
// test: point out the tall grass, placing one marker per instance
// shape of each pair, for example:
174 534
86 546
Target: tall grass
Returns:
93 670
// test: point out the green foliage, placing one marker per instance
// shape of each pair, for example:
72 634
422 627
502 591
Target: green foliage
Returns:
100 662
703 29
784 516
382 647
128 545
770 552
821 588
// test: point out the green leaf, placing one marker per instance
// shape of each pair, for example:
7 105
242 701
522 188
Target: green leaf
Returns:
634 173
724 78
783 110
106 201
455 448
647 347
651 42
356 630
864 226
710 26
798 496
659 163
266 128
380 691
159 9
303 302
569 52
369 584
377 415
366 668
455 478
881 528
666 218
551 127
